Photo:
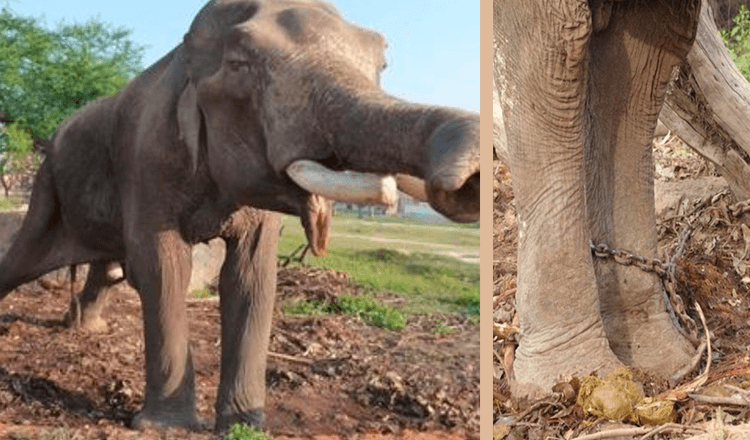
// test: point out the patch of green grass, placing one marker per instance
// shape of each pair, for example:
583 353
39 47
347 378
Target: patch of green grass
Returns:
369 309
242 431
10 203
372 311
410 230
430 282
442 329
306 307
395 231
403 257
203 293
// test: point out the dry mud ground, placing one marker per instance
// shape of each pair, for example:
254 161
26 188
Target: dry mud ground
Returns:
328 377
712 270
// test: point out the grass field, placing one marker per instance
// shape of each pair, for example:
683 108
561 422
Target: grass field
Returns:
434 266
10 203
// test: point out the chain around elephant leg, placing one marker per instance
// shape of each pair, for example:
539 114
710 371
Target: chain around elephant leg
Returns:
665 272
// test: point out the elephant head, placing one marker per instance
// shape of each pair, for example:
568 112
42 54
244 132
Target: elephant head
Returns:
268 86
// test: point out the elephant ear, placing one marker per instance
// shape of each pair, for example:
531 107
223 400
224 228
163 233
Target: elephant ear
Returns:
189 122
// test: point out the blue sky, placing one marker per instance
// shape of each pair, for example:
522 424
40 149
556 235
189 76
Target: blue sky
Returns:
433 54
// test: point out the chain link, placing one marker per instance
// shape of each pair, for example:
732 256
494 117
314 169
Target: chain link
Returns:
740 208
664 271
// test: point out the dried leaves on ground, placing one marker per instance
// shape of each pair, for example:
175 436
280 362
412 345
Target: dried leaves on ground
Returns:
330 375
713 271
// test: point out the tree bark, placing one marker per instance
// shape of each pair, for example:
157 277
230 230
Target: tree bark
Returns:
708 106
6 185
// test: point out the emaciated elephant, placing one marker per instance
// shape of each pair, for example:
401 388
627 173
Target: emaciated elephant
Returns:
263 105
580 84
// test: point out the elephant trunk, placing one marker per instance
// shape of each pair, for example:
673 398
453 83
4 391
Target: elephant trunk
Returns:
452 179
380 134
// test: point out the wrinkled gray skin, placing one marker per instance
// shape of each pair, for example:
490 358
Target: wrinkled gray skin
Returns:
581 84
169 161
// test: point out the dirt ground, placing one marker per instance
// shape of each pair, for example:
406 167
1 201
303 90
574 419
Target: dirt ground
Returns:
711 269
328 377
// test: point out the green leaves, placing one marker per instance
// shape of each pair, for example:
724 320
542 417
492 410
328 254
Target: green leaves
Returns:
15 144
372 311
242 431
46 75
737 40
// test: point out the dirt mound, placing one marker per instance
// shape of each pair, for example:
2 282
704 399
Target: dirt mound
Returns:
330 375
701 225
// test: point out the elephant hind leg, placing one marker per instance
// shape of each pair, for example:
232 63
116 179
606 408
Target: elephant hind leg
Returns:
43 243
85 310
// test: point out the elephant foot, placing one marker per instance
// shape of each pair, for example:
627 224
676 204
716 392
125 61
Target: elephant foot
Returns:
160 419
92 323
538 367
648 341
95 325
255 418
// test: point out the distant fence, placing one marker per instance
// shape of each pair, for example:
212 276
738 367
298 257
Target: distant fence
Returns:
407 207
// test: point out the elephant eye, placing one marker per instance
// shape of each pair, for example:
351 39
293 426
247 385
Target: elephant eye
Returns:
238 66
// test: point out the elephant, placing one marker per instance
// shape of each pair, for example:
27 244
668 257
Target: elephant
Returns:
579 87
259 111
85 311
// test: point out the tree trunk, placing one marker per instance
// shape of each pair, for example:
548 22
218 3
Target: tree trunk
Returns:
708 106
6 185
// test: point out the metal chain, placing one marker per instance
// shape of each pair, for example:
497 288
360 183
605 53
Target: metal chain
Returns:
664 271
737 209
740 208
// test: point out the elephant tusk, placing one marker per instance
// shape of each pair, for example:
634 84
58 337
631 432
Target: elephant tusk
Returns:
344 186
413 186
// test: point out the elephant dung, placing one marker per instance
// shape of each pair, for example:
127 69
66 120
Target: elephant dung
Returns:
614 397
618 398
651 411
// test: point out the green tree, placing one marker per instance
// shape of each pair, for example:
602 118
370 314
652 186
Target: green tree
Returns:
737 40
45 75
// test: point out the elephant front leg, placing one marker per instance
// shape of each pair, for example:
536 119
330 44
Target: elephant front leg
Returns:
159 267
542 75
632 60
247 287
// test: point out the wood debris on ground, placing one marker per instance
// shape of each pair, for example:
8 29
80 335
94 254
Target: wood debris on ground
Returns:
714 272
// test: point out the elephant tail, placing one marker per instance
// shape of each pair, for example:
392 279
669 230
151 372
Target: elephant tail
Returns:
33 243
